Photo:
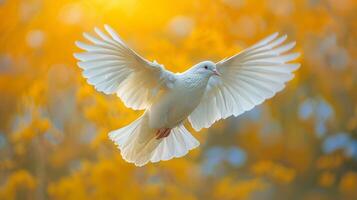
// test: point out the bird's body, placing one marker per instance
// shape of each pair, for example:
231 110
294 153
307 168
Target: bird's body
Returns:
203 94
173 106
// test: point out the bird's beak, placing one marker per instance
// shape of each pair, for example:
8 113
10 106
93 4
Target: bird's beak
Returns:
215 72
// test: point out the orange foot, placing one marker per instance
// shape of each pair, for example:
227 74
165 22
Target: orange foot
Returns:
163 132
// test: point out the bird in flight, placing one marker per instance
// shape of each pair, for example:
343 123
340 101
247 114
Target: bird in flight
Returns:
203 94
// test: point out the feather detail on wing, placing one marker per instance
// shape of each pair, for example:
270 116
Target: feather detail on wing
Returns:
247 79
112 67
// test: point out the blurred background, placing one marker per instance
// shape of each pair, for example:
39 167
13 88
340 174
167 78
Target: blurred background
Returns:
302 144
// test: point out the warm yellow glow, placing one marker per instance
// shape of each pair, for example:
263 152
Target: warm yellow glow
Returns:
53 125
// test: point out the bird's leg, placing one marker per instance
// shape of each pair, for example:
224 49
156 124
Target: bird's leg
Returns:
167 132
163 132
159 132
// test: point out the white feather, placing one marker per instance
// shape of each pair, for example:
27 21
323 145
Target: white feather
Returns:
112 67
247 79
138 144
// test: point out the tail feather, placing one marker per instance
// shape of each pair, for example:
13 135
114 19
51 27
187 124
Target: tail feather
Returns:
176 145
138 143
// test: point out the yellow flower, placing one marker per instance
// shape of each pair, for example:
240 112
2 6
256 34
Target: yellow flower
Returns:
20 180
348 183
273 170
327 179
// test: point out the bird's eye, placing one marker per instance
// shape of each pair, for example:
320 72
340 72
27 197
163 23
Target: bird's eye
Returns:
205 67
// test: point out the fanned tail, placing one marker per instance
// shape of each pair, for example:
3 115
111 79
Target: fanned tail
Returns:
138 144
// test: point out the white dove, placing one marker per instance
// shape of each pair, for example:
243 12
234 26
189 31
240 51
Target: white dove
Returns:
203 94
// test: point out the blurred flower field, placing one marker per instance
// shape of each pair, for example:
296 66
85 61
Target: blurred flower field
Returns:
302 144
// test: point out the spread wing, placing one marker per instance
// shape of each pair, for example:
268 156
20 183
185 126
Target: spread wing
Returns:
247 79
112 67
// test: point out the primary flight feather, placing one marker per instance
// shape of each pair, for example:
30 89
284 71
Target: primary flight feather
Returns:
211 91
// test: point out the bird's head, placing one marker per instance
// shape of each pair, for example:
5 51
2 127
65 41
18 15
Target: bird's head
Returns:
206 68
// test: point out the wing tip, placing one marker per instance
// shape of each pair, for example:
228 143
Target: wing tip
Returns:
291 56
296 55
275 34
79 44
76 55
294 67
87 36
106 26
290 45
80 65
